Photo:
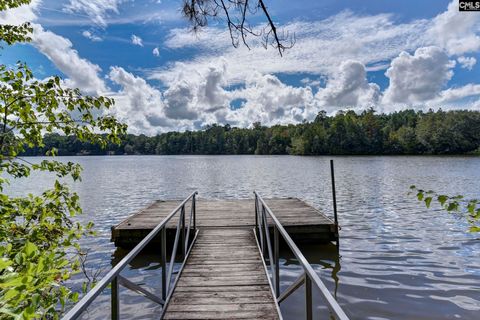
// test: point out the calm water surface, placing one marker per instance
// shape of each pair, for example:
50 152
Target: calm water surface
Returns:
397 259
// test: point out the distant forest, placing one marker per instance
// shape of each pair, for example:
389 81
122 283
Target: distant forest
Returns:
346 133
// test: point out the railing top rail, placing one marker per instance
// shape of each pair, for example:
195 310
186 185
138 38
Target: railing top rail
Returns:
332 303
103 283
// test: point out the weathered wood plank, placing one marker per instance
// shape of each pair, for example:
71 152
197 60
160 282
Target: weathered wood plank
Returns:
227 288
184 296
236 307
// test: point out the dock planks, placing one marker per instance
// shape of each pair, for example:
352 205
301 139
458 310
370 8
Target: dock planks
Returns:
223 278
303 222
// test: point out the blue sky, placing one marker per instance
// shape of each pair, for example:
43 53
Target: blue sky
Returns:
349 54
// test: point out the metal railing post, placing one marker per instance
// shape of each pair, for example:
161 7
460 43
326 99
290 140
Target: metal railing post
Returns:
308 298
163 250
265 227
260 231
115 303
194 206
256 211
276 257
183 248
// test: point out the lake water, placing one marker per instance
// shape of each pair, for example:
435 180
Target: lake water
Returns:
398 260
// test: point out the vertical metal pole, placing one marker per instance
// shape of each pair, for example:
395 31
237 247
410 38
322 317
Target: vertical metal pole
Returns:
265 227
115 303
260 232
308 298
256 212
184 246
276 255
334 195
194 213
163 234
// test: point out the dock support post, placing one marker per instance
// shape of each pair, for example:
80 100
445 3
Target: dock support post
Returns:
308 298
334 195
276 257
164 262
115 303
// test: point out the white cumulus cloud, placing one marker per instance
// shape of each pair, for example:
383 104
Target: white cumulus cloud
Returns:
349 88
270 101
156 52
137 103
419 77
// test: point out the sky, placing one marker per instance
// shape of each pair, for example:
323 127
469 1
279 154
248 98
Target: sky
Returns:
350 54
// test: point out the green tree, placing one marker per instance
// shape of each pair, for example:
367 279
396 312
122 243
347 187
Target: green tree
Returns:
39 250
404 132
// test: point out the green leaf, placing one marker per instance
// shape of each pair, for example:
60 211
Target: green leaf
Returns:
474 229
420 195
30 249
428 201
452 206
4 263
442 199
471 207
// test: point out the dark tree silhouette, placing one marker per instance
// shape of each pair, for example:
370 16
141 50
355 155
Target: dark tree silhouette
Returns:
236 14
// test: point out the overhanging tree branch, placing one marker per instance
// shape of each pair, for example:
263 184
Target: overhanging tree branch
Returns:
236 13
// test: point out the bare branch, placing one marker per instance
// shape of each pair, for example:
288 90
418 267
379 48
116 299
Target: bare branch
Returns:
235 14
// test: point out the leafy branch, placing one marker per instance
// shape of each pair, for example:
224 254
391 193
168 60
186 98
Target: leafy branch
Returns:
452 204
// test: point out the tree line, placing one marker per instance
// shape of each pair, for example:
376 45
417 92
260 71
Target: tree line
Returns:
345 133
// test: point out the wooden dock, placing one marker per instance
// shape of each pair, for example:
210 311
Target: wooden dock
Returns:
224 275
303 222
225 248
223 278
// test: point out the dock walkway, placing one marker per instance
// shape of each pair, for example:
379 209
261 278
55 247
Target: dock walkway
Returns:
223 278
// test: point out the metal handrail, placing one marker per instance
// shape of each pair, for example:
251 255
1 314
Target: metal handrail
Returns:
309 275
113 276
